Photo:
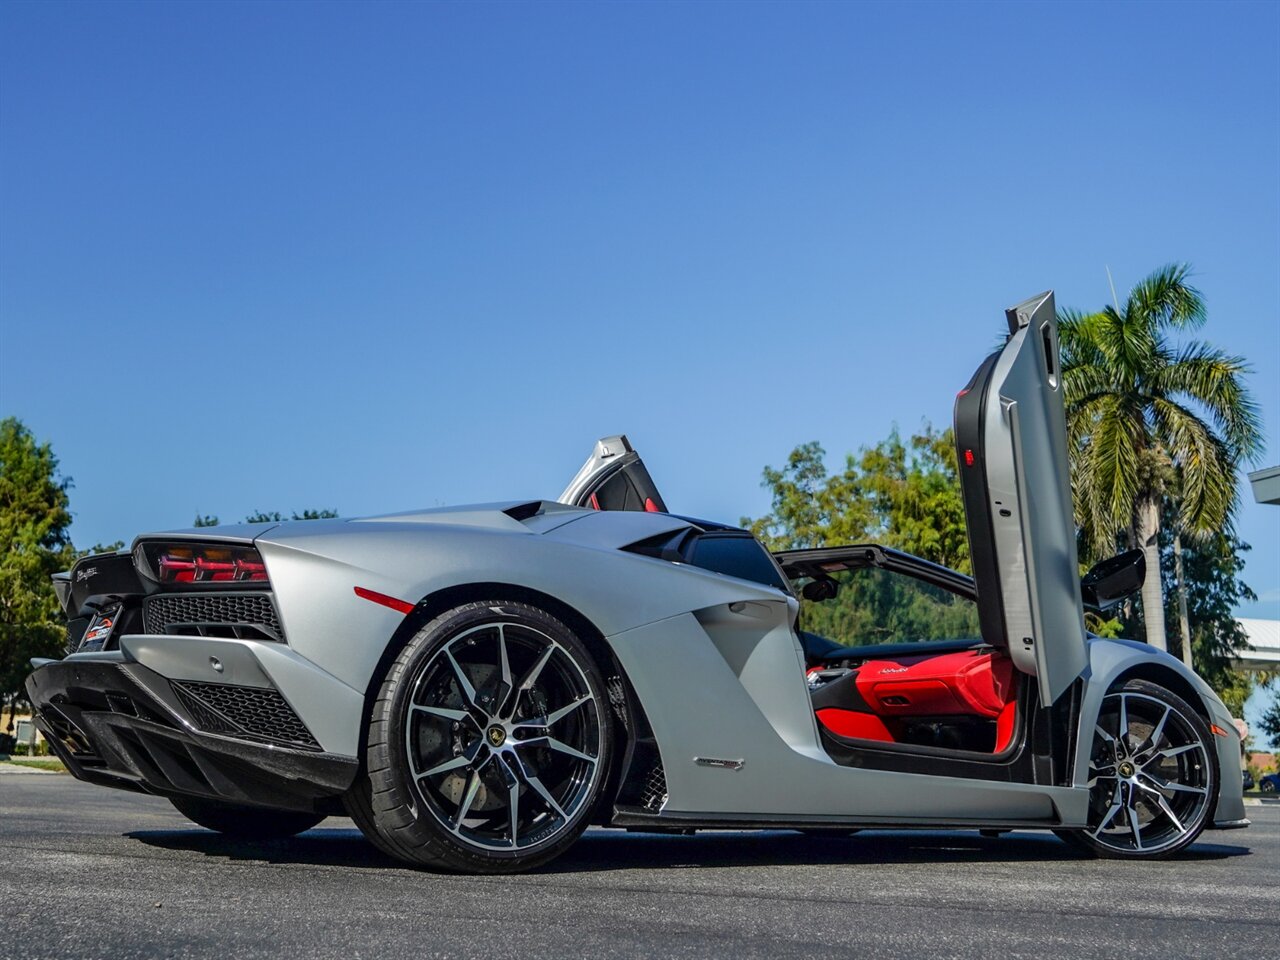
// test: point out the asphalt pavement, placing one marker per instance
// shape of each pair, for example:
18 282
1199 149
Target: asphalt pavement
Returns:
91 872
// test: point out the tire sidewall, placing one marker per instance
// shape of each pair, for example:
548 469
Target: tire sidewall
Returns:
389 754
1194 718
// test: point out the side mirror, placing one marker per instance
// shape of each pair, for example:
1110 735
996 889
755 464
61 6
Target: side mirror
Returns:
824 588
1110 581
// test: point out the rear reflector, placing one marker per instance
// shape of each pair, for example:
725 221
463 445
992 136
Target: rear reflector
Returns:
400 606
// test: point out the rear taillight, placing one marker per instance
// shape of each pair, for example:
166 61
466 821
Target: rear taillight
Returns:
203 563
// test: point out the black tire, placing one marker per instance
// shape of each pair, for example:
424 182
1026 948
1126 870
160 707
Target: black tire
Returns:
1268 786
244 822
1174 787
485 691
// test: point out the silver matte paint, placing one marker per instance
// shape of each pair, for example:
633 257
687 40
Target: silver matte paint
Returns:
1108 661
714 660
707 711
1025 438
326 703
608 455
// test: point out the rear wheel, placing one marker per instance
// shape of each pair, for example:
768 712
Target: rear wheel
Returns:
1152 775
488 744
246 823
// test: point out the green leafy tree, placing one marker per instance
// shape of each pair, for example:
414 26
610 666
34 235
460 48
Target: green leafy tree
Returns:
1214 588
811 508
1148 417
903 494
1269 722
34 518
914 491
875 606
262 516
259 516
900 493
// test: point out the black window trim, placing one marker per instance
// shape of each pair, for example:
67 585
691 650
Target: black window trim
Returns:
812 563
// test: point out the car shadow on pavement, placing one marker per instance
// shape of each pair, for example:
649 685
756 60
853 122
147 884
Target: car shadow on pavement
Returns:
608 850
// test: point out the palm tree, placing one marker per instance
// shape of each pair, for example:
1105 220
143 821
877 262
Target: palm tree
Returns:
1148 418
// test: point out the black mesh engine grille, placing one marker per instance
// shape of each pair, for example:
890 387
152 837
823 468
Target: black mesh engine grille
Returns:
246 616
654 794
255 711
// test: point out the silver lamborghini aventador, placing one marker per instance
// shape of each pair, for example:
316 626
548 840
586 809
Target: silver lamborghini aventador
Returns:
476 685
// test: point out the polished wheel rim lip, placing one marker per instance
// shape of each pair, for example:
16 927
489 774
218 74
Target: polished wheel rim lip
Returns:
1150 778
497 741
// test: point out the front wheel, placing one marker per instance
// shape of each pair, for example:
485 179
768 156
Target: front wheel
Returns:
488 745
245 823
1152 775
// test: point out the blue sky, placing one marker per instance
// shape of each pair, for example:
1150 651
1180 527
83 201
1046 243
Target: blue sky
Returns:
373 257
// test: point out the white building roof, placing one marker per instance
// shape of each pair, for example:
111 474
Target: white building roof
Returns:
1264 638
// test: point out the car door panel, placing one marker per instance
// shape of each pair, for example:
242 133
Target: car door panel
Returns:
614 478
1011 441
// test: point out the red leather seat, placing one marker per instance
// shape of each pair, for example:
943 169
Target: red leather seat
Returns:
977 683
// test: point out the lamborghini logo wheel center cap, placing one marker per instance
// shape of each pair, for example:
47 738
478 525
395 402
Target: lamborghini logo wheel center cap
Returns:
497 736
1126 769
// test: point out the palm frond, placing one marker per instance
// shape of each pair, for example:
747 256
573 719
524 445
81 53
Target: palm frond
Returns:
1086 381
1215 380
1166 299
1204 465
1112 469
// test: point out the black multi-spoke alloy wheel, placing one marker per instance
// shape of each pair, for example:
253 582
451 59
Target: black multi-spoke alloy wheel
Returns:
246 823
1153 777
488 744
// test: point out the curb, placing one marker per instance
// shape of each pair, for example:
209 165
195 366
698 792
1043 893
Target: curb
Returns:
19 769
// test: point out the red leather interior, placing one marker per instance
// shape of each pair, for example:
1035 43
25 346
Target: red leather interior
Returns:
975 683
855 724
966 682
1004 725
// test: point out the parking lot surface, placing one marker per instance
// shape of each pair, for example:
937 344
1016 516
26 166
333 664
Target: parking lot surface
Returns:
89 872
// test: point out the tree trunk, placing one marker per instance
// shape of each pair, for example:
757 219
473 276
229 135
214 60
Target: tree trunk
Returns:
1184 622
1148 523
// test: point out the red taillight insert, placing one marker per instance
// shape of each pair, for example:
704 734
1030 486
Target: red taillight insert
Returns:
204 563
176 569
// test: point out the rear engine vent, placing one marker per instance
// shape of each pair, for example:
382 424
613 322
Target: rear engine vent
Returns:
670 546
260 713
524 511
243 616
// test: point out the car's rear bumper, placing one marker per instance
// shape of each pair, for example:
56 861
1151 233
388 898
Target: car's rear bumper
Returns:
117 723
